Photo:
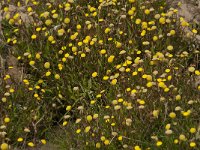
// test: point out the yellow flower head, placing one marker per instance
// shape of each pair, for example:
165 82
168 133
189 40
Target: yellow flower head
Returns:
94 74
111 58
162 20
47 65
89 118
4 146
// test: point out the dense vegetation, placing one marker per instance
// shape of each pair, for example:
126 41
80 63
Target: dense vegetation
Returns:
98 74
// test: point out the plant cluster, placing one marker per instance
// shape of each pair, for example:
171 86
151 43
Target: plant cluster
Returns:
111 74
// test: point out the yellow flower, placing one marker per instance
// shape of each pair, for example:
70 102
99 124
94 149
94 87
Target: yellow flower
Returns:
162 85
11 21
111 58
98 145
168 126
31 144
65 123
78 131
197 72
6 9
170 47
61 32
155 38
140 69
143 33
131 1
172 32
55 16
134 73
14 41
4 99
67 55
186 113
137 147
105 78
48 22
178 97
158 143
182 137
162 20
89 118
50 38
38 29
141 102
144 25
74 49
66 20
172 115
145 43
32 63
29 9
114 81
184 23
133 91
57 76
37 87
118 44
87 129
103 51
45 14
194 31
4 146
48 73
36 95
12 90
47 65
192 144
103 138
155 113
106 142
92 102
94 74
16 16
147 11
166 89
43 141
131 12
78 27
6 120
107 30
95 116
68 108
120 138
20 139
192 130
37 56
176 141
73 37
83 55
138 21
149 84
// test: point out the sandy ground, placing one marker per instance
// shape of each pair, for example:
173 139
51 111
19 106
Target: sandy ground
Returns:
191 12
